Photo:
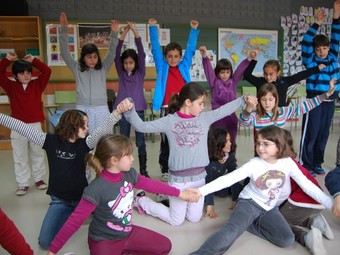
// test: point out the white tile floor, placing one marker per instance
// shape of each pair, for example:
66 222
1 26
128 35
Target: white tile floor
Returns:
29 210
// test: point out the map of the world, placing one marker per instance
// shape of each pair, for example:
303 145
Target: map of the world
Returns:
234 44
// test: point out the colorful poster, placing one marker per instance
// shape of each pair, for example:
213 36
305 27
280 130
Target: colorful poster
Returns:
235 44
196 69
52 44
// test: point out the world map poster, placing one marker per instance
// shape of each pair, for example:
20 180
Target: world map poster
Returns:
235 44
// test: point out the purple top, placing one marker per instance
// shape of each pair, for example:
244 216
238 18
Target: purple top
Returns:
223 92
131 85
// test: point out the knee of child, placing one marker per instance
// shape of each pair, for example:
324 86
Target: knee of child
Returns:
44 243
287 241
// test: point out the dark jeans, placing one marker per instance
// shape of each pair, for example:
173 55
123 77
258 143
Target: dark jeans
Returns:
125 128
57 214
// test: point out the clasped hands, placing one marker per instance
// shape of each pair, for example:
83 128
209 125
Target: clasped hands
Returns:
190 195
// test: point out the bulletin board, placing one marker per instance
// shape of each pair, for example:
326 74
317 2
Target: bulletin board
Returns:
61 73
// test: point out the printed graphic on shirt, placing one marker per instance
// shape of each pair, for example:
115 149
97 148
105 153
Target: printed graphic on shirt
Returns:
187 133
270 183
121 208
65 154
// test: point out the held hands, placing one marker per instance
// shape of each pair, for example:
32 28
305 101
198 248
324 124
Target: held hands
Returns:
11 56
210 212
124 106
203 51
114 25
331 87
63 19
320 16
189 196
321 66
194 24
251 102
152 22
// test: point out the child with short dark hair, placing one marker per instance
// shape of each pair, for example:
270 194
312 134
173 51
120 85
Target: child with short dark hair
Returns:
221 149
318 49
173 71
24 92
109 199
130 67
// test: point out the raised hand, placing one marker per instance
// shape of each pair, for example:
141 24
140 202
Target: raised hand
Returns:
203 51
114 25
194 24
152 22
11 56
320 16
63 19
124 31
28 58
252 54
133 27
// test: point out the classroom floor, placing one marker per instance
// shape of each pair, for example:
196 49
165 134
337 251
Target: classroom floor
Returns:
28 211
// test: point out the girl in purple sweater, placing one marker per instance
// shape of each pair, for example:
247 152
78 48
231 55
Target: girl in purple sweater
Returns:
131 71
223 82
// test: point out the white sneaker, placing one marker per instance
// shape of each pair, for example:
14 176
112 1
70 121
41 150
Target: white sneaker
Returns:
313 241
165 177
321 223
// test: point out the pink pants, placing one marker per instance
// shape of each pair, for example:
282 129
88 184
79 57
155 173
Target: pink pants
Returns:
140 241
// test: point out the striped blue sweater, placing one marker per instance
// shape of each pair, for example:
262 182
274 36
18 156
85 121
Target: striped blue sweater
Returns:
317 84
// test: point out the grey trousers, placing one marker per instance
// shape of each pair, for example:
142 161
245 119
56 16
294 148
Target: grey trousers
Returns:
248 215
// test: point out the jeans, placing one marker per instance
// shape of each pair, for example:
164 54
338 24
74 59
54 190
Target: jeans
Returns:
125 128
248 215
57 214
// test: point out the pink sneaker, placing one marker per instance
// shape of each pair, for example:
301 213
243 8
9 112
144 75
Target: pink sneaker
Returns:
139 194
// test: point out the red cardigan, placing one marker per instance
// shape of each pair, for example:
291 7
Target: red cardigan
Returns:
11 239
300 198
26 105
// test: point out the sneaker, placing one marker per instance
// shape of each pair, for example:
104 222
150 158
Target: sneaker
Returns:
21 190
165 177
312 173
41 185
321 223
319 170
138 195
313 241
